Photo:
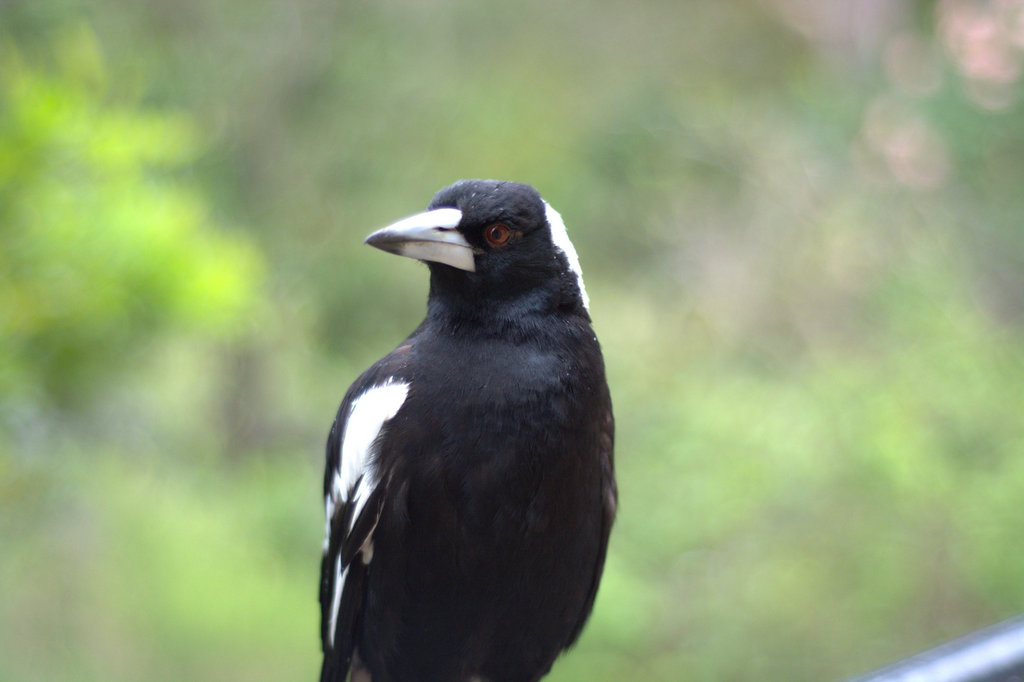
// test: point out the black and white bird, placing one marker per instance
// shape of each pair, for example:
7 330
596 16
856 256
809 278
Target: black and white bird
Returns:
469 489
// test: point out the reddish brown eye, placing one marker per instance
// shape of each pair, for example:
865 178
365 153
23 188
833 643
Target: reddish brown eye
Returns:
497 234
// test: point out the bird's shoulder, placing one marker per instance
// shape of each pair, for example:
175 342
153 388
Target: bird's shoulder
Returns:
389 371
353 497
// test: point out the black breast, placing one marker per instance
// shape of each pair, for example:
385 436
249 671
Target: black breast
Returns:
491 546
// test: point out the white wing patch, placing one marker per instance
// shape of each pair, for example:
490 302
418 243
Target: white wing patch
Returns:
339 583
560 238
366 418
357 476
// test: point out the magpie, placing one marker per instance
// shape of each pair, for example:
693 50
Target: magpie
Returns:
469 488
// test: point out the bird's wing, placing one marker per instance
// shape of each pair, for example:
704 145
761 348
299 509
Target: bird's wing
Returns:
353 498
609 504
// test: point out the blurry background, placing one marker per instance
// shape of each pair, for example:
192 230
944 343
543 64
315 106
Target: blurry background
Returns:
802 228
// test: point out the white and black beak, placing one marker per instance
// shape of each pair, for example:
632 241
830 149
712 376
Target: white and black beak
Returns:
429 236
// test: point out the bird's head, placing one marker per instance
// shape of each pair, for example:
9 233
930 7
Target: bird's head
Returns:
488 241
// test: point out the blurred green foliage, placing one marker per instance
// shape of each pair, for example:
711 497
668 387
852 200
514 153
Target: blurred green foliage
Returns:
102 246
801 229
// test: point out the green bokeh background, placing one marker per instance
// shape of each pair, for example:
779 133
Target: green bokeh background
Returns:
802 228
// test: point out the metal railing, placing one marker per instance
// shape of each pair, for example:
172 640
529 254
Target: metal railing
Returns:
995 654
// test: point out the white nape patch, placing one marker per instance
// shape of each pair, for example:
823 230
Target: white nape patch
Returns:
560 238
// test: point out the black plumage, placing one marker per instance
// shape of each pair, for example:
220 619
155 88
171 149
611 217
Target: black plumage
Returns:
469 486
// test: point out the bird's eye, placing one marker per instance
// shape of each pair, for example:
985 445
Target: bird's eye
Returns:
497 234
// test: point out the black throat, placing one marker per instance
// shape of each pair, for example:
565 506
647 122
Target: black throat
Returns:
458 299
